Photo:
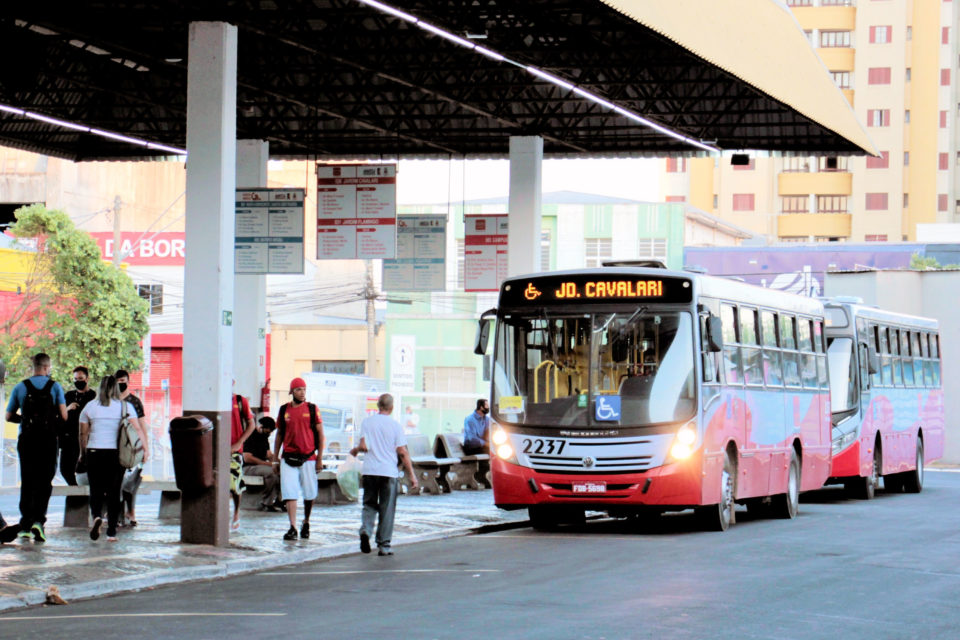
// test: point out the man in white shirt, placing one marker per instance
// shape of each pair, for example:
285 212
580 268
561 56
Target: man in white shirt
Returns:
412 424
383 441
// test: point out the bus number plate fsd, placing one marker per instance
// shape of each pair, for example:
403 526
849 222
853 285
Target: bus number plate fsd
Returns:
589 487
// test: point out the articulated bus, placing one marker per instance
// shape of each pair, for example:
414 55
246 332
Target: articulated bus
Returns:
641 390
887 399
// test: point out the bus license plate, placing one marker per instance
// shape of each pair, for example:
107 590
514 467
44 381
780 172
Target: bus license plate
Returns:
589 487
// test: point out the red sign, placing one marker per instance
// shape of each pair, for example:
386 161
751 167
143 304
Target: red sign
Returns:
139 248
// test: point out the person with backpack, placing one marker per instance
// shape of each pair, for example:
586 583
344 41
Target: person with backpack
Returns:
300 433
241 426
100 423
43 409
133 477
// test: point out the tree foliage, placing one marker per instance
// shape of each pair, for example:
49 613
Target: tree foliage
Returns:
923 263
75 307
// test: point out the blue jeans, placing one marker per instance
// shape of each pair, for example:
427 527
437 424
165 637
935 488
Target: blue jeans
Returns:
379 498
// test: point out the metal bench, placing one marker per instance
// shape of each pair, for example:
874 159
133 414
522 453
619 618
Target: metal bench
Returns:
471 470
431 471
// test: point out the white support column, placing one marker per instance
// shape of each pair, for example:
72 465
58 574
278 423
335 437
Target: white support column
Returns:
250 291
208 274
523 247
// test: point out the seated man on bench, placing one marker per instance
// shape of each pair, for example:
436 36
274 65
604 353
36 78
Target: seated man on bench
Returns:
476 430
258 460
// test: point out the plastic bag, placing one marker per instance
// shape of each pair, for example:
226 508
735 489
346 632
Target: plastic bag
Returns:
348 477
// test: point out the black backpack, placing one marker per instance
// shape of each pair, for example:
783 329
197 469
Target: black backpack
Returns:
38 414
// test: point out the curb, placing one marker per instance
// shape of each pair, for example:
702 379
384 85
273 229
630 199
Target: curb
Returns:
227 568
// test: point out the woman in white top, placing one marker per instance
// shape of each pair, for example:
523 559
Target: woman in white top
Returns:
99 431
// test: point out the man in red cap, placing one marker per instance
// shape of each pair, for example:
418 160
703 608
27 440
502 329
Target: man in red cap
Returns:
300 432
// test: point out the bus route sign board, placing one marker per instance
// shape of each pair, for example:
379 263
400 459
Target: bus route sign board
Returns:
268 231
421 254
485 251
356 211
589 289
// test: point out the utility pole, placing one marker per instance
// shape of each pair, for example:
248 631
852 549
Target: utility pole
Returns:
116 231
370 294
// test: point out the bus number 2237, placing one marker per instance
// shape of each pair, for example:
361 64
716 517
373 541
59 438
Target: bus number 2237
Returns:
537 446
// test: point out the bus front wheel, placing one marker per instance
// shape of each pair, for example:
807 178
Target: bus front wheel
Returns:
718 517
786 505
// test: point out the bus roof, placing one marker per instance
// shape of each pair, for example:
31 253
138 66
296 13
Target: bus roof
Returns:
705 285
882 315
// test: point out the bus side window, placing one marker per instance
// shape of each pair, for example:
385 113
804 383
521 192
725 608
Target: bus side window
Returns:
886 362
750 352
808 361
791 359
877 379
927 362
864 368
818 339
895 353
907 358
731 350
772 364
935 357
711 359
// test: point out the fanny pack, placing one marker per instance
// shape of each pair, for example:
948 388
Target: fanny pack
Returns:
295 459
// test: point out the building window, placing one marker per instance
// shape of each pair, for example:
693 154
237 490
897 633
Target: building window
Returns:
794 204
879 163
909 33
793 238
676 165
941 202
545 242
906 158
944 160
350 367
836 3
876 237
653 248
676 198
878 75
743 201
750 166
906 200
834 39
878 117
907 75
876 202
831 204
906 117
461 265
841 79
831 163
880 34
716 201
799 3
448 380
153 294
945 35
598 250
944 77
796 165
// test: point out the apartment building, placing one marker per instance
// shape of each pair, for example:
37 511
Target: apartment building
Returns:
897 63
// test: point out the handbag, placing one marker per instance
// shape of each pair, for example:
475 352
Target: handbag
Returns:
129 445
295 459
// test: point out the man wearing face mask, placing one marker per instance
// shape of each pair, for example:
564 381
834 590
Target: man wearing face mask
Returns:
131 480
476 430
69 437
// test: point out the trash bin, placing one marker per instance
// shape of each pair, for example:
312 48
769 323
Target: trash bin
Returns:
191 441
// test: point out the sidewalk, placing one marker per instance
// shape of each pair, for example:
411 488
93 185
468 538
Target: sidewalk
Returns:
151 554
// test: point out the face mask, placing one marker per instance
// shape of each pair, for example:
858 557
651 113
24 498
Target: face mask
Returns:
486 410
80 384
123 386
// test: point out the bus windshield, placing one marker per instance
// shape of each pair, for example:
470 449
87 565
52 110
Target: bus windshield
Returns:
551 369
843 375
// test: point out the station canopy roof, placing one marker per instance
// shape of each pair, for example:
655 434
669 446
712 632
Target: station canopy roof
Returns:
343 79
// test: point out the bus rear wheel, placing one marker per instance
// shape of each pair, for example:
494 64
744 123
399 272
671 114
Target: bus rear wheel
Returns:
866 488
718 517
913 480
787 505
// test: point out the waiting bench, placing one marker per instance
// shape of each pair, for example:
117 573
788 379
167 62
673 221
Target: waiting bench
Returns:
471 470
430 470
76 508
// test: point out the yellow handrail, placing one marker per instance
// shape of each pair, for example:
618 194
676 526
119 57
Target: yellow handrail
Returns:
546 380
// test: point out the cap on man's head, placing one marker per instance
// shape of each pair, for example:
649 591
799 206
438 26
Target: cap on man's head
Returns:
296 383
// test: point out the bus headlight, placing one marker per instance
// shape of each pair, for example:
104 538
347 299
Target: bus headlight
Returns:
684 444
680 451
686 435
499 436
505 451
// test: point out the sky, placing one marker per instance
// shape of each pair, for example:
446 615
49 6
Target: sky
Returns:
441 181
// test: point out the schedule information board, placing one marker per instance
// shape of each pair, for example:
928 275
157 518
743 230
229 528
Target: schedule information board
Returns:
485 251
268 231
421 253
356 211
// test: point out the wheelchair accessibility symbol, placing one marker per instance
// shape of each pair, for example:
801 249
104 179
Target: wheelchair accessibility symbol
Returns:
607 408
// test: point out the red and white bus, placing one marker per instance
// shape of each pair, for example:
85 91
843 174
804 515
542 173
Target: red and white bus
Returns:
887 398
635 390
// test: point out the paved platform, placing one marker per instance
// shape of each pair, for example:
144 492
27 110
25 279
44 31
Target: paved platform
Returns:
151 554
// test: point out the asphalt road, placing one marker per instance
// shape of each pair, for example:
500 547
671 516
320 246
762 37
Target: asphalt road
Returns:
888 568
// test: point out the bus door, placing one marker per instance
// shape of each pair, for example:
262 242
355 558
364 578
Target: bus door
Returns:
730 422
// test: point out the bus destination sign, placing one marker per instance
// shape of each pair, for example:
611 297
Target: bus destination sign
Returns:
589 289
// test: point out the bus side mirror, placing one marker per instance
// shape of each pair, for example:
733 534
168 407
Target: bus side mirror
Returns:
483 336
714 334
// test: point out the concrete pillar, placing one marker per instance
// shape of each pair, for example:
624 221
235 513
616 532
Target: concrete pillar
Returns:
208 273
250 306
523 246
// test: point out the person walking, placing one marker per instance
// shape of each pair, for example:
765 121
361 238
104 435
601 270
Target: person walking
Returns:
241 426
476 430
99 434
42 407
258 460
133 477
300 433
69 437
382 440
